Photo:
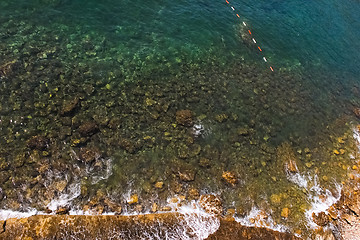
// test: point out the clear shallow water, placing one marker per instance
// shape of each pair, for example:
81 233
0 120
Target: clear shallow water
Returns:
129 66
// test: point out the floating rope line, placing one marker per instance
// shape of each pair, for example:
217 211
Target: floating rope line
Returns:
250 33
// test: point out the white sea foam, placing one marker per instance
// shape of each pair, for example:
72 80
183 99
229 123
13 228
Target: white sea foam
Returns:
319 198
200 223
259 218
356 135
6 214
65 199
102 174
198 129
299 179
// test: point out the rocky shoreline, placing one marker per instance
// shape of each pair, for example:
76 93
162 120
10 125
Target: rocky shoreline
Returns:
122 227
340 221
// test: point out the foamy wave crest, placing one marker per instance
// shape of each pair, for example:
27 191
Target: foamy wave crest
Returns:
259 218
66 198
197 222
192 224
6 214
356 135
319 198
98 173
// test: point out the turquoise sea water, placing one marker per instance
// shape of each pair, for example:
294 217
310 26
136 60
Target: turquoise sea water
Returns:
90 92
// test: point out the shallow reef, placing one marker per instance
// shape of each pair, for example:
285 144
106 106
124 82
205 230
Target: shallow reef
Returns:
84 116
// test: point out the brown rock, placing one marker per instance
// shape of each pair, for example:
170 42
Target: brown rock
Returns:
154 208
286 155
159 185
7 68
133 199
113 206
62 210
320 219
229 177
88 128
166 209
275 199
193 194
129 145
211 204
175 186
99 209
61 185
187 175
204 162
139 208
38 142
47 211
285 212
89 155
291 166
69 106
184 117
243 131
356 111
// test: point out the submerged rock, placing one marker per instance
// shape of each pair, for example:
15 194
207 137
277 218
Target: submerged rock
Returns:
7 68
356 111
320 219
88 128
38 142
89 155
187 175
133 199
69 106
211 204
185 118
62 210
229 177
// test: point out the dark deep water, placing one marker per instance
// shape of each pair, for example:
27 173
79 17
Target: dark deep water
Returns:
91 94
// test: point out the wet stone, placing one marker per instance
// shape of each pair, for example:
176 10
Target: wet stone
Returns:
211 204
113 206
62 210
243 131
69 106
38 142
184 117
130 146
356 111
7 68
4 165
291 166
229 177
146 186
61 185
133 199
320 219
89 155
154 208
275 199
88 128
193 194
204 162
285 212
166 209
159 185
187 175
